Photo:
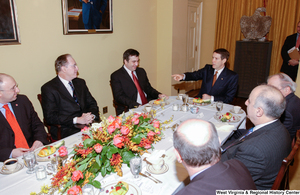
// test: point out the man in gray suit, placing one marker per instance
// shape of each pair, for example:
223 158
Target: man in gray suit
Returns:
263 147
197 147
291 116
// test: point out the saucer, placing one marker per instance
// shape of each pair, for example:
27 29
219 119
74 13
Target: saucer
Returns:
6 172
240 112
152 170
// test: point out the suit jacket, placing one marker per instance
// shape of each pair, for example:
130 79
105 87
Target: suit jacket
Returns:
92 9
292 71
32 127
291 116
225 87
125 91
59 107
229 175
262 153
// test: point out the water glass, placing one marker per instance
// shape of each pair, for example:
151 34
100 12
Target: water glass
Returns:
219 106
40 172
30 160
88 189
136 166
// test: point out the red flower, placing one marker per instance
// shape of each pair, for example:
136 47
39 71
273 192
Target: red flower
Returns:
111 118
85 129
77 175
156 124
135 121
63 151
111 128
98 148
75 190
150 133
124 130
118 141
118 122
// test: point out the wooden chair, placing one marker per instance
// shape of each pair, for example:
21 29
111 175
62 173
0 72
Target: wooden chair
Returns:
282 179
50 139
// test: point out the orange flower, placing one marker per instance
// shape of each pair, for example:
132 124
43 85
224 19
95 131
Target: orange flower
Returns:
115 159
83 152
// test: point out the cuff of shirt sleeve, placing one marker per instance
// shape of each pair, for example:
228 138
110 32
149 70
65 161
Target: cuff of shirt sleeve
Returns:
75 120
212 98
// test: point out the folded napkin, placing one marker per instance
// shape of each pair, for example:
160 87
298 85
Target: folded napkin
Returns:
155 155
224 127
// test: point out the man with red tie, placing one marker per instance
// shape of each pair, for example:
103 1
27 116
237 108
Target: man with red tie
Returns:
21 129
130 84
290 66
218 82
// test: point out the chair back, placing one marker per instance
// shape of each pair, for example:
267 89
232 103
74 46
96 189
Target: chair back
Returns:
282 179
117 104
49 137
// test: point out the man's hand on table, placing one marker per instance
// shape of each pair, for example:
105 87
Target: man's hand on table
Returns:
206 96
36 145
18 152
86 118
161 96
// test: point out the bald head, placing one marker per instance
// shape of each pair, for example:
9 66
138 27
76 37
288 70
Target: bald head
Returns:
8 89
197 142
3 76
267 98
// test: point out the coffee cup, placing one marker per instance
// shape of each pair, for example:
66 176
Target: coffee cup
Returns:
10 164
157 164
236 109
148 107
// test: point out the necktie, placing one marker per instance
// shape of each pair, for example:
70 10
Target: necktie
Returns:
215 78
20 141
136 82
298 42
248 133
74 94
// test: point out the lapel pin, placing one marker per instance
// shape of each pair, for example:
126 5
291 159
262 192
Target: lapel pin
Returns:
17 105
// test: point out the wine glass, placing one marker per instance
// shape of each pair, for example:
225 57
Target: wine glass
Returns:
29 158
219 106
136 166
185 98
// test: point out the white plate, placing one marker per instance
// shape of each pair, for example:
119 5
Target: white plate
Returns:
6 172
199 104
240 112
46 158
152 170
234 118
133 189
157 105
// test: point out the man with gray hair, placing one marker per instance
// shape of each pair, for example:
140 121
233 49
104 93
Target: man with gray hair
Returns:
263 147
291 116
197 147
66 99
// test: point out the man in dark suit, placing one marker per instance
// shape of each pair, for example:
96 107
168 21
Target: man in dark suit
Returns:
124 88
27 131
92 12
263 147
290 66
218 82
291 116
197 147
66 100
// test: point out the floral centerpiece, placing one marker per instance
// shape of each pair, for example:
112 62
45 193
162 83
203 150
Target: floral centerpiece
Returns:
106 146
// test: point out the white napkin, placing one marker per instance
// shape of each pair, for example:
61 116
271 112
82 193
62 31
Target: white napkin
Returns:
155 155
224 127
200 115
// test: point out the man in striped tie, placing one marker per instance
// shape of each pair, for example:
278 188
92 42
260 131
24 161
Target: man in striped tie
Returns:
263 147
66 99
21 129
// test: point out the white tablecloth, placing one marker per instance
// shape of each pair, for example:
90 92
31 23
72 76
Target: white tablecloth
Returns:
22 183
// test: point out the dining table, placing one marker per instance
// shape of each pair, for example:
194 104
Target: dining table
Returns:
173 177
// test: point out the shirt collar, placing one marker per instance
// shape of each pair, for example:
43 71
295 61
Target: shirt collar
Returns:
262 125
219 71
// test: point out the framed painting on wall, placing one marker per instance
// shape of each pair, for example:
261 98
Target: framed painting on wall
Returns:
9 29
87 16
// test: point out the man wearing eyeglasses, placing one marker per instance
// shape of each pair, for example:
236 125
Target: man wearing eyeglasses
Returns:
66 99
21 130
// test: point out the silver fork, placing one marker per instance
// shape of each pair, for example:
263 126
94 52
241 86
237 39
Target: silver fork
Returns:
147 173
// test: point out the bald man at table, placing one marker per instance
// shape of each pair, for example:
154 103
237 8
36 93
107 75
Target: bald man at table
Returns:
200 154
21 129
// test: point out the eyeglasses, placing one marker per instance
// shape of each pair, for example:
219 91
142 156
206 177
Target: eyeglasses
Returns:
11 89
